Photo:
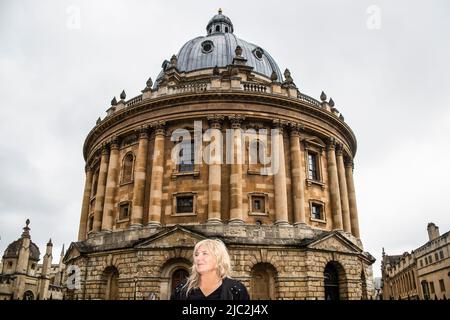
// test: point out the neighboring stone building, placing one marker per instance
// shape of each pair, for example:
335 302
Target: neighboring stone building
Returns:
22 277
290 224
422 274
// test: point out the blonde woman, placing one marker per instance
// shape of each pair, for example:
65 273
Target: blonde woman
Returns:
210 275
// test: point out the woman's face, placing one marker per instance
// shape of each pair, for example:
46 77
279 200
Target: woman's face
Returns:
204 261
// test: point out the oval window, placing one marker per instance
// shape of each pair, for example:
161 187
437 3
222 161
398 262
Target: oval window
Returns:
207 46
258 52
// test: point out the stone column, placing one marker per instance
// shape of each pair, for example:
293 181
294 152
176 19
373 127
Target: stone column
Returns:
140 175
236 214
343 189
298 176
352 198
279 179
101 186
215 161
157 177
85 204
111 186
333 184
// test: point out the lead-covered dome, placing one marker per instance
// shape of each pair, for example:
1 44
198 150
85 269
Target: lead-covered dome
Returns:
217 48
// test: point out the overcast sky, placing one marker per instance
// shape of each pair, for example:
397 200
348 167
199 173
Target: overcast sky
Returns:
385 64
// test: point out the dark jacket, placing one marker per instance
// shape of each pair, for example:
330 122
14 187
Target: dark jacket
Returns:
231 290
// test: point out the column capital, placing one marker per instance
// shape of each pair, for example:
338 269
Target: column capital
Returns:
236 120
331 143
215 121
295 128
105 149
114 143
339 148
142 131
159 127
348 162
88 168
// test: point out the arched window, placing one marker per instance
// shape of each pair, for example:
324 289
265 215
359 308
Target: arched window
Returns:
331 278
127 168
217 28
187 163
178 277
28 295
263 282
226 29
110 282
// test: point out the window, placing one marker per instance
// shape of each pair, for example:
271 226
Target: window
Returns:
207 46
226 29
421 263
187 165
442 285
430 259
258 52
258 204
317 211
124 211
312 166
33 266
10 264
217 28
185 204
436 256
127 168
441 254
95 184
91 223
432 287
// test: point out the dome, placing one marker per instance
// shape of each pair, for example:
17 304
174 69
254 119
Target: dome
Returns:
12 251
218 47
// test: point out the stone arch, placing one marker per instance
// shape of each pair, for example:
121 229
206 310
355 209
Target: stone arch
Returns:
167 273
335 281
28 295
110 283
263 281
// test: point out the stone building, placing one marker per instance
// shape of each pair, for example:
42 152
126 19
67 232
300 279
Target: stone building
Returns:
422 274
21 276
290 222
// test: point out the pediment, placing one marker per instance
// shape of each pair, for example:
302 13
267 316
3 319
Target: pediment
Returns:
177 236
71 253
335 242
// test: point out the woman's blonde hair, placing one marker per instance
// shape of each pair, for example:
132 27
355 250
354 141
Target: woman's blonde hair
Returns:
223 268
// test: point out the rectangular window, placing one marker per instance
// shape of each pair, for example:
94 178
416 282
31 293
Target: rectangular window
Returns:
313 173
442 285
258 204
430 259
185 204
317 211
421 263
91 223
432 287
441 254
187 165
436 256
124 211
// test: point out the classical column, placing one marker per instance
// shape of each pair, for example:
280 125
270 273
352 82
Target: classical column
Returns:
214 167
85 204
236 215
111 186
298 176
352 198
140 174
343 189
157 177
333 184
279 179
101 186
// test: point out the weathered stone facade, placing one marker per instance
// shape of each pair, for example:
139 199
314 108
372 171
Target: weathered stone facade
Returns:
422 274
288 231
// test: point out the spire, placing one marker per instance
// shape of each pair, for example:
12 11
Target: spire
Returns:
62 250
220 11
323 96
50 242
220 23
123 95
114 102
